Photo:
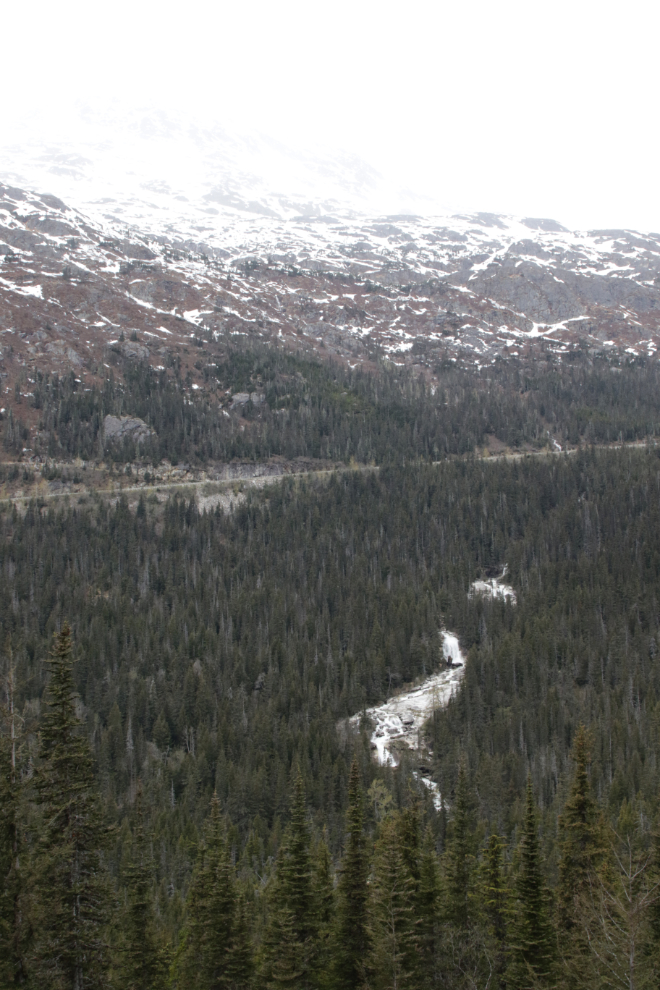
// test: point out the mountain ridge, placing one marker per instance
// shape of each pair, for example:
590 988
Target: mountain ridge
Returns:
151 272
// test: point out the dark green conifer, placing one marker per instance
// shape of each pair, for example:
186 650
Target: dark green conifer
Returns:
392 900
409 838
583 853
13 924
69 883
460 857
408 829
293 919
495 898
324 895
351 932
582 838
216 956
533 942
144 961
427 916
298 886
240 962
284 956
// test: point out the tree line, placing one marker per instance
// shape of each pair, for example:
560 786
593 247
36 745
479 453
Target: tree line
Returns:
326 411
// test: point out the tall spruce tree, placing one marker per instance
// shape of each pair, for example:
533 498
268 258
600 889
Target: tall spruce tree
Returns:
351 932
583 849
70 889
291 939
144 960
392 905
409 835
460 856
325 906
13 924
284 962
582 837
495 897
427 915
240 963
533 941
463 958
215 956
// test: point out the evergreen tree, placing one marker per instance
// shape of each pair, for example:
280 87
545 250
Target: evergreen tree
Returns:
583 853
427 933
240 962
460 857
391 911
293 919
325 906
215 956
351 932
532 947
297 875
408 829
13 925
495 904
582 838
284 961
69 884
464 959
144 965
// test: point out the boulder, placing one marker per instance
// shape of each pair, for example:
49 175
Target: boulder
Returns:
118 428
131 349
241 398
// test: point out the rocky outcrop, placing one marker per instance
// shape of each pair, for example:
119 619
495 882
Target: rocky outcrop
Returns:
119 428
241 398
131 349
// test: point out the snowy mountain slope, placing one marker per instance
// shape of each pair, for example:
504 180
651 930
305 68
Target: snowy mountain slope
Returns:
195 234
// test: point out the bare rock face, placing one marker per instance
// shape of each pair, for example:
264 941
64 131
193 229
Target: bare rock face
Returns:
241 398
60 350
118 428
131 349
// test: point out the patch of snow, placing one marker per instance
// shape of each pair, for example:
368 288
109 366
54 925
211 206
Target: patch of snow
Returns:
23 290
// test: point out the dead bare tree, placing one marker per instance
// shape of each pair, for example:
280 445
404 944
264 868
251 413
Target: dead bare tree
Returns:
615 920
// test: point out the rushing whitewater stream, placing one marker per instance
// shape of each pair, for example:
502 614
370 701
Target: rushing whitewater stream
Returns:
493 588
400 721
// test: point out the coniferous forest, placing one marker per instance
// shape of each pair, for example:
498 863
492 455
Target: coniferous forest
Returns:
183 802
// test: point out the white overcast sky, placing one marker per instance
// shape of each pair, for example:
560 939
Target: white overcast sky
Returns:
531 108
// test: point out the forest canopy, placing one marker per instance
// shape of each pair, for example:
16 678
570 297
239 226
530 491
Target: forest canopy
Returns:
175 754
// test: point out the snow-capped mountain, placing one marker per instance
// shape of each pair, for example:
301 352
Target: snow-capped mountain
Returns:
161 230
